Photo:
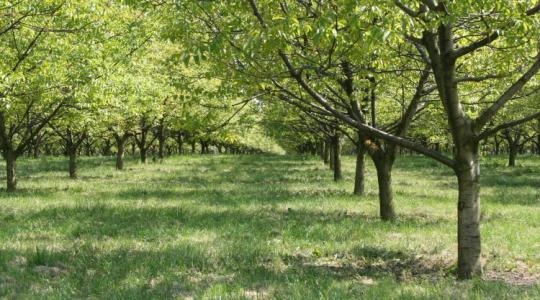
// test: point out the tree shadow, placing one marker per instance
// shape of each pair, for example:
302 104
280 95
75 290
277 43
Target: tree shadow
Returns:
189 269
25 193
108 245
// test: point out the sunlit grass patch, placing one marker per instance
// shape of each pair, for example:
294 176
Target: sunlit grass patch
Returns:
258 227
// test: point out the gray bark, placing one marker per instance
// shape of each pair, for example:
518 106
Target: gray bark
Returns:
359 182
11 167
336 151
383 164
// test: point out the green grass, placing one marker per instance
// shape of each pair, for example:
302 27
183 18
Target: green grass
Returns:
257 227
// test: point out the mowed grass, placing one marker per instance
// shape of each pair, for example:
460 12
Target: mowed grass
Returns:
260 227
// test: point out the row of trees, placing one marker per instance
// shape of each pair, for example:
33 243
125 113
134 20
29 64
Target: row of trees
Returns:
101 74
295 132
378 70
386 75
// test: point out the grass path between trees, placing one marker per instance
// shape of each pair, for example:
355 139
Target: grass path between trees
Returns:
260 227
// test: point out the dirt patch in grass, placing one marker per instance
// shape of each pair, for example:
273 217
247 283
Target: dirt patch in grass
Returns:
257 294
371 263
50 271
520 275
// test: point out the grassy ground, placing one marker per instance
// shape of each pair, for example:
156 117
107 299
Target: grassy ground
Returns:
259 227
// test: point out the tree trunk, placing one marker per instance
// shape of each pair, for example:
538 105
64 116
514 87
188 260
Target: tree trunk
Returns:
161 147
338 175
469 244
161 140
72 152
331 156
359 184
11 168
144 154
320 151
120 144
512 154
36 150
383 164
326 153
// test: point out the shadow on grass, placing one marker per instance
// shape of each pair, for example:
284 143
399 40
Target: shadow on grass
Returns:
113 249
186 269
26 193
189 270
510 186
102 222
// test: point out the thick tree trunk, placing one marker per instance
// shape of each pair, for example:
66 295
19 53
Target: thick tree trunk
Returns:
11 168
359 185
512 154
469 244
336 151
72 153
143 154
120 145
383 164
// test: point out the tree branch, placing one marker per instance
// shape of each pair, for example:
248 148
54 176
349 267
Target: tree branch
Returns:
489 132
533 10
490 112
475 45
366 129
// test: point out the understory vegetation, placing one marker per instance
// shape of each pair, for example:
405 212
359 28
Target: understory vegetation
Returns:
259 227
